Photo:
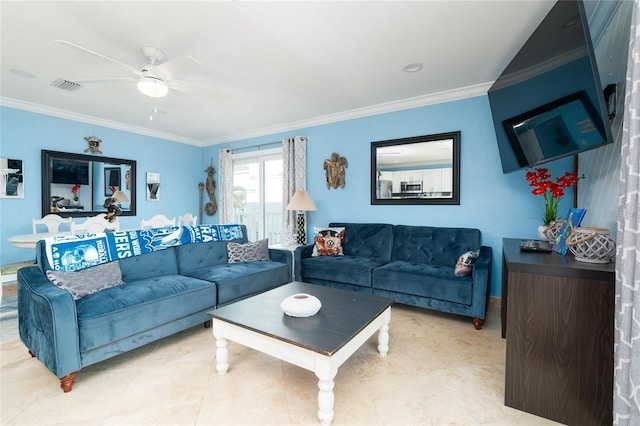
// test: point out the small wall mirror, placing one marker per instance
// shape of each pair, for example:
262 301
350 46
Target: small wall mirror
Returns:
77 185
11 178
416 170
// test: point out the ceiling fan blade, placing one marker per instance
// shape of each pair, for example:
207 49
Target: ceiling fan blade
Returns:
105 80
179 66
196 89
128 67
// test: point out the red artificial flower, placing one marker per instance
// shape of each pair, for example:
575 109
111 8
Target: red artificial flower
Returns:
539 179
75 188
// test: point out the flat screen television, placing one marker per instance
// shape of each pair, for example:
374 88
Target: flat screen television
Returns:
548 103
69 171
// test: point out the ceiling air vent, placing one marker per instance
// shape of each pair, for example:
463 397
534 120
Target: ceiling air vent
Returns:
67 85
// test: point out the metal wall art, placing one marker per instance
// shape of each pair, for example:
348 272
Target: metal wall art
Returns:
94 145
211 207
153 186
334 170
11 184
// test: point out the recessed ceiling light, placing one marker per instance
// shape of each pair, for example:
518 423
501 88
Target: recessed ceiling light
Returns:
415 67
22 73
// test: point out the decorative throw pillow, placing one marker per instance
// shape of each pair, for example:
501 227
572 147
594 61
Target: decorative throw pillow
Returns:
464 265
86 281
328 241
248 252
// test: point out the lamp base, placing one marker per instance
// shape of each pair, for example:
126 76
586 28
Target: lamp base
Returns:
301 235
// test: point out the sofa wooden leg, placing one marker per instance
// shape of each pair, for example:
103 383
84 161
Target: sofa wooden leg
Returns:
32 354
66 382
477 323
207 324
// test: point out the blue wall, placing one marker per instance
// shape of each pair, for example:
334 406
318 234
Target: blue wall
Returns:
24 134
499 205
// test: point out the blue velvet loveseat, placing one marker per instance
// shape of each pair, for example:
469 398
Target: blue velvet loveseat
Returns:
415 265
164 292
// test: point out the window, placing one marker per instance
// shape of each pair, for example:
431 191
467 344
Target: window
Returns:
257 194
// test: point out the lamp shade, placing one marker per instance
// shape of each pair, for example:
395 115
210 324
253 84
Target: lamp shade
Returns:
120 196
153 87
301 201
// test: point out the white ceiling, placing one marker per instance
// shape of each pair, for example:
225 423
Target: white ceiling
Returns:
278 65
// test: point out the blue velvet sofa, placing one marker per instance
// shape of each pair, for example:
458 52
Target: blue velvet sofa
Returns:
414 265
164 292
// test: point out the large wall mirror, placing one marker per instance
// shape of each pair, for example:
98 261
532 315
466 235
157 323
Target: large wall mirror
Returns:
416 170
78 185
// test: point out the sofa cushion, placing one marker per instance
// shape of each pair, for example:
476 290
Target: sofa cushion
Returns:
86 281
343 269
464 265
433 245
419 279
192 257
239 280
149 265
328 241
134 307
248 252
367 240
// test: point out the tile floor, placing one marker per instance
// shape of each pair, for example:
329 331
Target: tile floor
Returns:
439 371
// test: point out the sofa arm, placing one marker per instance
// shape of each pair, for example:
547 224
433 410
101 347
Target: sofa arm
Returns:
282 256
482 282
48 322
301 252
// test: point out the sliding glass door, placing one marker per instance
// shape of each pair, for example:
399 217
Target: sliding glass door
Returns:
257 194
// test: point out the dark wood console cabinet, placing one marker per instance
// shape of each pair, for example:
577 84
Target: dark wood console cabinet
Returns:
557 316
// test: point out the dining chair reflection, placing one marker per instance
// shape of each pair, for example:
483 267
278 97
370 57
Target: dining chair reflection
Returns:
52 222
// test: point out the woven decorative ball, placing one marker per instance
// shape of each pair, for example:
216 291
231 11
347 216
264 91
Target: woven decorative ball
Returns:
592 245
301 305
554 230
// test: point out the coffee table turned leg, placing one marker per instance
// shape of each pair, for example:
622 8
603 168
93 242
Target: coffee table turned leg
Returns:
325 373
222 352
383 334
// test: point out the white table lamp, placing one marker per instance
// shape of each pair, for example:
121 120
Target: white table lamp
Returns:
301 202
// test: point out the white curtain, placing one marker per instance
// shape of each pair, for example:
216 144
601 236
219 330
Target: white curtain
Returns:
225 183
294 153
626 392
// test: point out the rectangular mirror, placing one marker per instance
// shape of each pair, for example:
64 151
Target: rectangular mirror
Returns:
416 170
11 178
78 185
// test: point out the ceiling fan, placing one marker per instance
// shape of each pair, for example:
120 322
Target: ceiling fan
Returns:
156 78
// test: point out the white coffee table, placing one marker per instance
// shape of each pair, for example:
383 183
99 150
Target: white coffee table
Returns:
321 343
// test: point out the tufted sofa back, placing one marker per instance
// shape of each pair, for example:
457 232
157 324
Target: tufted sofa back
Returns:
372 240
433 245
192 257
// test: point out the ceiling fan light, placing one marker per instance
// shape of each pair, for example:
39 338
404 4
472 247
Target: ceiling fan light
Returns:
153 87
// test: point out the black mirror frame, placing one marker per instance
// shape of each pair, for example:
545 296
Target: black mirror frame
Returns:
455 195
46 157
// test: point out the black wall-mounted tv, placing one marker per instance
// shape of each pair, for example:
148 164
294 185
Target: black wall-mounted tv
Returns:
69 171
548 103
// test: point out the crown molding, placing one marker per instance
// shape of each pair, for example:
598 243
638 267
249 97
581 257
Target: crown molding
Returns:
394 106
68 115
403 104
